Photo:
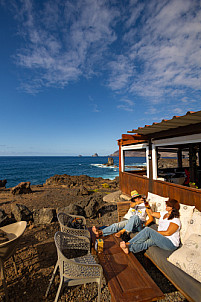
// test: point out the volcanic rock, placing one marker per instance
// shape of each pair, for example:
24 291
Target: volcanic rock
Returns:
110 161
3 183
107 208
67 180
83 190
112 197
3 218
22 188
44 216
94 204
78 182
73 209
21 212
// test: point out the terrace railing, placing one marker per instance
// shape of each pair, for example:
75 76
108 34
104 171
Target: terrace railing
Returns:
130 181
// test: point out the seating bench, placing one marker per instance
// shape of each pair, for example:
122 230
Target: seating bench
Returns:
187 285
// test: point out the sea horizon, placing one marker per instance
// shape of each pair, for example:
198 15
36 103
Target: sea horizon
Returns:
37 169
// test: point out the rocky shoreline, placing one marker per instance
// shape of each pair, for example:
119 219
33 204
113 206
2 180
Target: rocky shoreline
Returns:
36 254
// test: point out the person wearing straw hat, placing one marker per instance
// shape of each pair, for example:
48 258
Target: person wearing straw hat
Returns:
167 237
133 221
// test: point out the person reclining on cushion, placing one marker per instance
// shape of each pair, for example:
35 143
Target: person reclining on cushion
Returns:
167 237
133 221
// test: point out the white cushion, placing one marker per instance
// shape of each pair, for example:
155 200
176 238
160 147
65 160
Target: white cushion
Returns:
194 225
186 213
188 257
151 201
158 201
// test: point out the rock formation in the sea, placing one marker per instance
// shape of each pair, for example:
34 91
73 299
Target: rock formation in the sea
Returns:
95 155
110 161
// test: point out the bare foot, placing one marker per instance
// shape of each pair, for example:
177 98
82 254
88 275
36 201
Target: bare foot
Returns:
123 244
124 247
96 232
118 235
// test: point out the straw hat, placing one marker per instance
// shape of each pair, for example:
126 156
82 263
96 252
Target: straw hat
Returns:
135 194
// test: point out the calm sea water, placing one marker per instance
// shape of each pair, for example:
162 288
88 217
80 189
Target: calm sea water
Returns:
37 169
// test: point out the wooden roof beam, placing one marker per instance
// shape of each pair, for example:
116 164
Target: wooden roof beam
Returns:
180 131
131 142
134 137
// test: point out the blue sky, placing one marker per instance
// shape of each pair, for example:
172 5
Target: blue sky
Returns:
76 74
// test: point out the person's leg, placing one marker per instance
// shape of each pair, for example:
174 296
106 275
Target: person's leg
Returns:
114 228
134 224
146 238
96 231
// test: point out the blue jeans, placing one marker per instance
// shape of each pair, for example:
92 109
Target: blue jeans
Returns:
134 224
149 237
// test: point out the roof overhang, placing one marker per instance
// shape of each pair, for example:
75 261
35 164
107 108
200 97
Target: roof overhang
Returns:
177 122
128 139
132 139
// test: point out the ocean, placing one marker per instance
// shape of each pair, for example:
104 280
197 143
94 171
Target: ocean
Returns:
37 169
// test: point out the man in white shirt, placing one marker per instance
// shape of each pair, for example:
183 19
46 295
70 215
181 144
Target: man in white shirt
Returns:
133 221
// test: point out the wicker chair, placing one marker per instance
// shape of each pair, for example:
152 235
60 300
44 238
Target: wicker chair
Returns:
64 219
75 270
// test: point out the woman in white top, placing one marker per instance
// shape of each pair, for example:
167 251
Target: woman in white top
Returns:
167 237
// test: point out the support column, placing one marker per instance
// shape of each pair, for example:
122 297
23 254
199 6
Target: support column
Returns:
179 158
154 162
150 167
119 143
199 168
199 155
192 163
147 160
122 161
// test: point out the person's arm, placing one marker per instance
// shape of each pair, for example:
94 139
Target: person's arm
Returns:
150 218
154 214
171 229
135 203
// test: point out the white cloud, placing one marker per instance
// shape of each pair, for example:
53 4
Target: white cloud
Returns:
151 111
94 106
64 39
121 70
148 49
163 40
126 105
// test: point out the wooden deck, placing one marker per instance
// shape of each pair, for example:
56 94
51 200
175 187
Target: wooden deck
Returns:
127 279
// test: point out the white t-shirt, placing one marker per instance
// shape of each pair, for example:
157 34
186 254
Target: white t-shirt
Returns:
163 225
139 210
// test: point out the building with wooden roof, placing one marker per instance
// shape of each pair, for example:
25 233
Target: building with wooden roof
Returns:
180 135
